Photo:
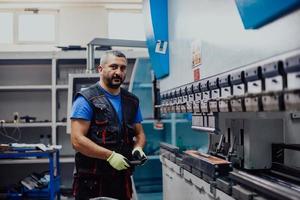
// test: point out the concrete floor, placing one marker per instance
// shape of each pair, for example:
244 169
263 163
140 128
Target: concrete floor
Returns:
150 196
141 196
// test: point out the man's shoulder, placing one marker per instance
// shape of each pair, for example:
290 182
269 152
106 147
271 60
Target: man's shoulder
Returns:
91 91
129 95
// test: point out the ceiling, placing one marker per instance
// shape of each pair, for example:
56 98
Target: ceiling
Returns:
109 4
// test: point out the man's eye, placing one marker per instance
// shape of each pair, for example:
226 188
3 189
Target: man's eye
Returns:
114 66
123 68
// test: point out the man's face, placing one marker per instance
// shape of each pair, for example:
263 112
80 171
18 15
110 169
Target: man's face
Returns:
113 73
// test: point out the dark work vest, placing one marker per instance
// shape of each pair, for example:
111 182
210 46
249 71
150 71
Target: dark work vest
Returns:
106 130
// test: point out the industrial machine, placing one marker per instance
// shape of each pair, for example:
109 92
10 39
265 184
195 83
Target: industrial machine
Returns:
252 116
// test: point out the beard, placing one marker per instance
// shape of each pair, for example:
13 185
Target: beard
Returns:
114 82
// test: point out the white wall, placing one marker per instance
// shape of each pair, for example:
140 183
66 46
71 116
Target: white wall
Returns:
78 26
225 43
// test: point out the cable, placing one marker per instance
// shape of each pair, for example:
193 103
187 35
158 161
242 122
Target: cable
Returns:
19 136
17 129
4 133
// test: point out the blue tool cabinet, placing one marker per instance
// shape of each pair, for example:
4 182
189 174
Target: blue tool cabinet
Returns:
54 170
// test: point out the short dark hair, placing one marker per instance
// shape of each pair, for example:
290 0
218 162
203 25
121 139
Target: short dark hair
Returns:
106 54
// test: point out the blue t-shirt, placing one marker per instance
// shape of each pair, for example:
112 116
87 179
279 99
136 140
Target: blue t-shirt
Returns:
82 110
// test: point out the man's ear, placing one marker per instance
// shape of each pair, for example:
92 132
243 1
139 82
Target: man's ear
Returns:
99 68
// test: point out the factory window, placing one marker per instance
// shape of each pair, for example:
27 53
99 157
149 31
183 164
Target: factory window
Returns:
36 27
6 27
126 25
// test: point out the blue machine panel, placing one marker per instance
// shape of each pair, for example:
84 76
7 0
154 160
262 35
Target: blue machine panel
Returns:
256 13
156 15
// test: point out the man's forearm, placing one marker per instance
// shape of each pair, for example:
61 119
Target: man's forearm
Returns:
140 136
87 147
140 140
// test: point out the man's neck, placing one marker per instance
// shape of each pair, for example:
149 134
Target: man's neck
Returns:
110 90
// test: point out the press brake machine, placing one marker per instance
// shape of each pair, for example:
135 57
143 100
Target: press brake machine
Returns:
252 116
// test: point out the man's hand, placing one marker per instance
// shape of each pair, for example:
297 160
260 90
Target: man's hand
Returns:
117 161
138 153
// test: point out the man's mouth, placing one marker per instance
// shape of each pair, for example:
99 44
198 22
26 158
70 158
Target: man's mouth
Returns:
117 79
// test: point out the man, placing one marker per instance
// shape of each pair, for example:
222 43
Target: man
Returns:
106 131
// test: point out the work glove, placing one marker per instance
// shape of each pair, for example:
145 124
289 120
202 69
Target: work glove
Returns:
138 154
117 161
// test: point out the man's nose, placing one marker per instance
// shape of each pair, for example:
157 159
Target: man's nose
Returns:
119 71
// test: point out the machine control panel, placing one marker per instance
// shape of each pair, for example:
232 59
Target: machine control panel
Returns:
215 94
255 86
197 90
191 98
239 90
198 96
205 89
179 100
270 85
292 96
226 92
292 69
205 96
190 92
163 100
237 81
214 88
174 101
254 81
184 100
224 84
273 76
